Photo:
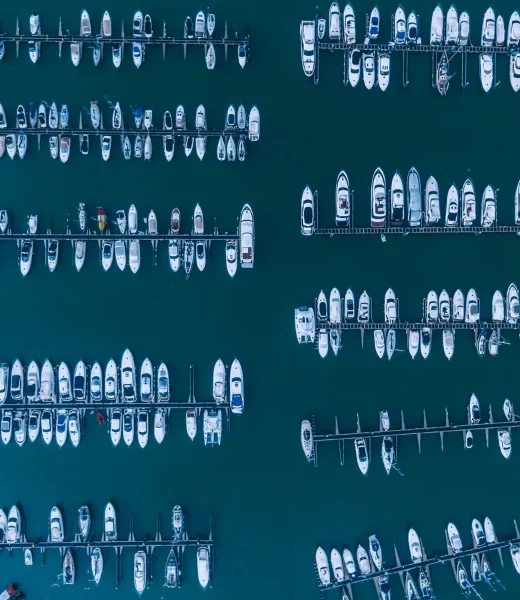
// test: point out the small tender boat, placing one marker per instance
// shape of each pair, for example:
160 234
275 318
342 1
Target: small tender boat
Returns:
453 539
140 571
488 207
415 546
437 26
472 307
203 566
349 24
399 26
488 28
369 69
69 570
110 532
360 445
452 26
363 561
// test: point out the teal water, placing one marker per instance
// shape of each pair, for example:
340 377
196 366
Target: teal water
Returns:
270 507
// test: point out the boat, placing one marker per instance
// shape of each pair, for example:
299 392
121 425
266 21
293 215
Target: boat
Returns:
56 525
80 248
69 570
307 212
488 28
200 25
425 341
10 145
399 26
350 305
322 308
21 145
74 427
28 557
79 382
171 571
477 531
342 201
189 250
188 28
33 427
13 531
350 565
247 237
390 306
373 24
191 423
512 304
414 198
336 564
117 55
148 30
500 31
396 201
140 571
85 29
413 342
363 561
388 452
116 418
203 566
485 569
411 589
354 66
415 546
513 30
360 445
219 382
142 427
236 387
46 389
96 564
378 199
200 125
515 556
369 69
305 325
472 307
468 439
128 378
64 117
458 306
210 24
7 425
159 425
146 387
452 208
138 24
383 70
349 24
443 76
84 522
178 523
514 76
65 388
488 207
411 28
493 343
47 426
231 257
21 119
138 53
469 211
364 308
61 426
64 148
335 307
107 254
453 539
374 548
254 124
16 383
111 388
498 307
106 145
504 442
212 427
20 427
432 307
231 149
452 26
26 255
148 147
128 426
444 307
106 25
448 342
110 529
463 29
462 578
486 71
134 256
437 26
117 117
334 22
34 46
306 439
508 410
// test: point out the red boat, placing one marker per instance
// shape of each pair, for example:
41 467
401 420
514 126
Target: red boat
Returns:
9 592
101 219
101 420
443 78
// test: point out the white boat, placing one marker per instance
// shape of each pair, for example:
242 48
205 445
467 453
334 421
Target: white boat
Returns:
335 307
212 427
411 28
210 56
34 46
21 145
254 124
425 341
111 387
488 28
378 199
68 568
488 207
200 124
515 556
307 212
342 201
383 70
448 342
486 71
128 377
387 445
390 306
399 26
33 382
360 445
64 383
504 442
140 571
74 427
514 74
350 305
20 427
489 530
512 304
374 548
334 22
498 307
236 387
349 24
369 69
472 307
95 114
146 385
354 67
128 426
469 210
120 253
458 306
247 237
33 428
159 425
47 426
163 383
373 24
414 198
61 426
322 308
138 53
306 439
75 53
210 24
203 566
16 383
219 382
432 307
444 307
148 147
200 25
363 561
134 256
13 532
323 343
79 382
116 425
437 26
413 342
336 563
304 324
452 26
364 308
110 529
453 539
501 31
142 427
513 30
147 28
3 525
85 28
96 383
452 208
348 561
117 55
415 546
464 29
433 209
322 565
56 525
106 25
96 564
80 248
106 145
231 149
231 257
191 423
10 145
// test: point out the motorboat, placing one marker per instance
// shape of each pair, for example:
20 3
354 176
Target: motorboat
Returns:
189 250
138 24
106 25
369 69
146 386
62 419
221 149
452 26
96 564
65 388
396 201
437 26
336 563
231 149
373 24
16 383
488 207
163 383
219 382
7 425
413 342
56 526
128 426
21 118
350 305
426 341
26 255
477 531
364 308
46 389
79 382
74 427
453 539
444 307
379 342
472 307
374 548
514 74
349 24
350 565
508 410
148 147
138 53
159 425
231 257
388 453
462 578
390 306
147 29
236 387
307 439
128 378
10 145
399 26
512 304
500 31
432 307
504 442
515 556
254 124
200 25
468 439
69 569
458 306
117 117
498 307
116 418
354 66
140 571
493 343
360 445
307 212
415 546
463 29
488 28
210 24
34 46
75 53
80 248
64 117
322 308
469 210
106 145
378 199
485 569
134 256
414 198
107 254
203 566
335 307
95 114
20 427
110 529
334 22
171 571
21 145
412 29
191 423
117 55
111 388
142 427
383 70
363 561
335 340
486 71
448 342
13 531
433 209
120 254
178 523
84 522
33 428
47 426
513 30
212 427
452 208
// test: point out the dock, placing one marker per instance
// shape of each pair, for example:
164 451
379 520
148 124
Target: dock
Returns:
425 429
131 133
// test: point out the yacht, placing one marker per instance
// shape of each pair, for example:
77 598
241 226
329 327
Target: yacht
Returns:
47 426
363 561
379 342
56 525
65 388
452 26
96 564
504 442
448 342
349 24
128 425
396 201
110 534
452 208
200 125
433 209
247 237
463 29
515 556
21 145
468 439
120 253
52 255
373 24
46 389
350 565
493 343
7 425
444 307
106 145
350 305
500 31
116 418
387 445
375 552
399 26
34 425
304 323
432 307
360 445
111 388
472 307
142 427
334 22
221 149
514 73
219 382
453 539
425 341
231 257
415 546
148 147
364 308
171 571
62 419
159 425
203 566
477 531
10 145
212 427
106 25
26 255
390 306
354 66
79 380
488 28
411 29
413 342
383 71
168 140
469 211
134 257
414 198
498 307
107 254
146 387
163 383
16 384
378 194
458 306
236 387
322 308
322 566
512 304
84 522
75 52
138 146
306 439
74 427
128 378
34 46
191 423
369 69
69 570
307 212
200 25
335 307
13 532
140 571
486 71
20 427
138 24
488 207
189 249
411 588
437 26
95 114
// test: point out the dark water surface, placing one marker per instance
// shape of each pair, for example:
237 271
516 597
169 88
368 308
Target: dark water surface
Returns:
270 507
